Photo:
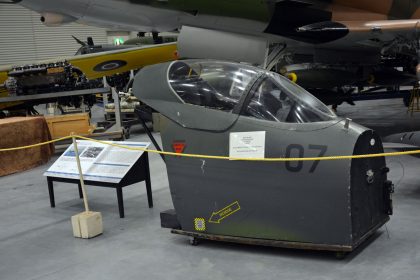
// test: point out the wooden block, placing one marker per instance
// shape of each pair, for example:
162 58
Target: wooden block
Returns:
64 125
87 224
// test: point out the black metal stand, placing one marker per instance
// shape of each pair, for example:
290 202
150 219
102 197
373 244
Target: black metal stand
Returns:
141 114
138 173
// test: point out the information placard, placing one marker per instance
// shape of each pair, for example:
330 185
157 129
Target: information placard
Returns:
99 162
247 144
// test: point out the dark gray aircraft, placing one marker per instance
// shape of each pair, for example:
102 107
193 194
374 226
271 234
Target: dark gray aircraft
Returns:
230 109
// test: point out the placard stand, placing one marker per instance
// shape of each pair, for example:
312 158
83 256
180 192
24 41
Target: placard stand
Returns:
139 172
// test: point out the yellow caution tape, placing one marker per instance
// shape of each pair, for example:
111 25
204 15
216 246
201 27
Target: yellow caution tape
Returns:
217 157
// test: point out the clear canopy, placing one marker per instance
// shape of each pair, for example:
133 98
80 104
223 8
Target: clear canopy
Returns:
278 99
221 85
212 84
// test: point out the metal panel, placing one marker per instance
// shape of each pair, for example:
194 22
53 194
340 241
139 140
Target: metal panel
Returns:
25 39
196 42
16 33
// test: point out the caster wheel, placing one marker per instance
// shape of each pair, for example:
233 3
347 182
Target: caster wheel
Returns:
340 255
127 133
193 241
406 101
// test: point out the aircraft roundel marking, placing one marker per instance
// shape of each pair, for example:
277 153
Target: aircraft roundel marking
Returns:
109 65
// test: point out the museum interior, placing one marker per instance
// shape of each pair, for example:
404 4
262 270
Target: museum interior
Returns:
251 139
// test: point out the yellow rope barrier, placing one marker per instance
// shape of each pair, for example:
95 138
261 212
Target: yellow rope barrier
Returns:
218 157
35 145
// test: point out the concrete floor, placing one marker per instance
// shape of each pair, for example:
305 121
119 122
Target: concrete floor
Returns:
36 241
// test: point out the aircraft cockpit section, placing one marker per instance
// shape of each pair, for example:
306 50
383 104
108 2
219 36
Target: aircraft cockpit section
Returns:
235 110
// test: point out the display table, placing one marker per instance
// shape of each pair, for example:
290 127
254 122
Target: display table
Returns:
23 131
139 172
103 165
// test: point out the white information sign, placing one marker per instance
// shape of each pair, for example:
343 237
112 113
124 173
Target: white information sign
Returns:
100 162
247 144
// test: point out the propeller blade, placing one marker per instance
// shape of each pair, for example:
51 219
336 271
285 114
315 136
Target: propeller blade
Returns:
79 41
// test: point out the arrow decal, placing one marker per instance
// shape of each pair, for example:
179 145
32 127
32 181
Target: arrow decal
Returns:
217 217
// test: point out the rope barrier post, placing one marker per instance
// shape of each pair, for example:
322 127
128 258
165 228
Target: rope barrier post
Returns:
79 167
87 224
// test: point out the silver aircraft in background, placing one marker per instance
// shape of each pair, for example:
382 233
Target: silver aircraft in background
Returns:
346 42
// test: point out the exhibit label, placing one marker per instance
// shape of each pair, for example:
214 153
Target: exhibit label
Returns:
247 144
99 162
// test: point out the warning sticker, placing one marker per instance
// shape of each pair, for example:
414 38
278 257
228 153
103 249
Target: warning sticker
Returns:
200 224
178 146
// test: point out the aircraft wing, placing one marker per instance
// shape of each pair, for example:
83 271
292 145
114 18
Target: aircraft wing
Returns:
112 62
380 30
107 63
346 25
3 91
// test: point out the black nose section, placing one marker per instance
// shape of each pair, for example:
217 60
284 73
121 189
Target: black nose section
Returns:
370 190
